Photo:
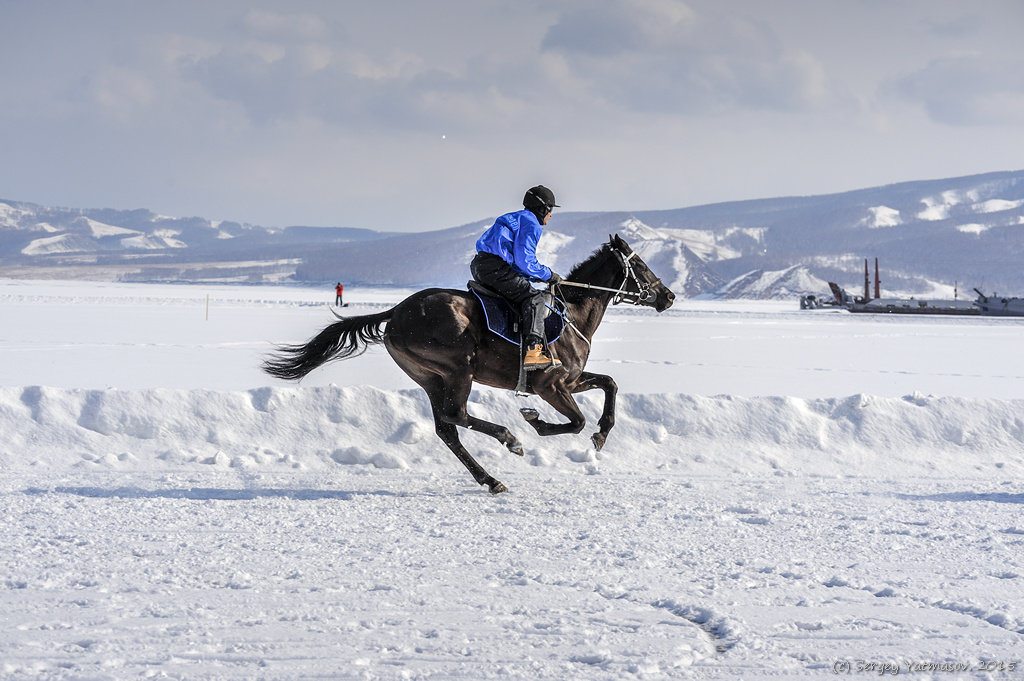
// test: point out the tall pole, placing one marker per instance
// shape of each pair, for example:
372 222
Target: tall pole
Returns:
878 282
867 290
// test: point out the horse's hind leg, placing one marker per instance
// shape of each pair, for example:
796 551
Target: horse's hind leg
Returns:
448 393
499 433
449 410
453 410
449 434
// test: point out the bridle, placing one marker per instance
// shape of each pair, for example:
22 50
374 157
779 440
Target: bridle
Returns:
644 290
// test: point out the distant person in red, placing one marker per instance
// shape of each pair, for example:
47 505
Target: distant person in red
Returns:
338 290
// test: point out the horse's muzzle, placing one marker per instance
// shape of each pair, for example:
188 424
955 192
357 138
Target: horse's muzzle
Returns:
664 300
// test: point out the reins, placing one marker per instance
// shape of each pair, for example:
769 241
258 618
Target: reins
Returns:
638 297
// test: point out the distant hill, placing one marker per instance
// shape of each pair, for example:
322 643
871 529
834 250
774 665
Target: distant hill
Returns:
928 236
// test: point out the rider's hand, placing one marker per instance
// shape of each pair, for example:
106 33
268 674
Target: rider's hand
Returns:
555 278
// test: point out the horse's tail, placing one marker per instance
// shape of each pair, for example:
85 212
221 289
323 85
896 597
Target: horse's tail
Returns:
348 337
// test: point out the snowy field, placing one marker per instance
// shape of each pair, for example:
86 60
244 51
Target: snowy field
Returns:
786 494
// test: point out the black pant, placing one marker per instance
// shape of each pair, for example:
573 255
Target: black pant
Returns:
493 272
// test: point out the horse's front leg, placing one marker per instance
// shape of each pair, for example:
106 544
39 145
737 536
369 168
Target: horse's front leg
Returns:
589 381
559 396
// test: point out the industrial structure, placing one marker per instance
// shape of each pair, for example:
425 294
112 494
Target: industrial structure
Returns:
984 305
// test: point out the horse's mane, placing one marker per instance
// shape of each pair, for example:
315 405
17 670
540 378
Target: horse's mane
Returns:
584 272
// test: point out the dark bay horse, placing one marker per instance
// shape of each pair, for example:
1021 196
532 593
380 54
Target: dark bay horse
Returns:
439 337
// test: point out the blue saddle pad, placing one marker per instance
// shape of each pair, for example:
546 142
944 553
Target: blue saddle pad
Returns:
503 320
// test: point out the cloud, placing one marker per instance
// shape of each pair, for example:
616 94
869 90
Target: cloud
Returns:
279 68
967 90
953 27
612 29
300 26
662 56
123 93
349 91
588 64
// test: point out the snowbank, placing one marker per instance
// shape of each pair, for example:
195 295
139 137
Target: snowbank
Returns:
322 427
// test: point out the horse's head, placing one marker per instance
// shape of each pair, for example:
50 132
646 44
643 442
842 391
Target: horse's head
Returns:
641 286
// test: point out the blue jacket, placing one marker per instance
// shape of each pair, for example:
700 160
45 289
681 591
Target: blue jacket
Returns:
513 237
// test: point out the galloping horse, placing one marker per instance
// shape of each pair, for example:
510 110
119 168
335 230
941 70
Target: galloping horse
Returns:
439 337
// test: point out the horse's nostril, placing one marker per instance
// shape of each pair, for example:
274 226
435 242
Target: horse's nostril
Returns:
671 296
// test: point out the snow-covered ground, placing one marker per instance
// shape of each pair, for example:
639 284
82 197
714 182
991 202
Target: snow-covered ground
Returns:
785 494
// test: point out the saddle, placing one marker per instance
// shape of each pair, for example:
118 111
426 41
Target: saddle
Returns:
503 319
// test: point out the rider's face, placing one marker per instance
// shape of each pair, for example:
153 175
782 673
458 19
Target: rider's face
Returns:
547 218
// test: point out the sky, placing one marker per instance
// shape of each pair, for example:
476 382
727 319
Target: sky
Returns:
413 116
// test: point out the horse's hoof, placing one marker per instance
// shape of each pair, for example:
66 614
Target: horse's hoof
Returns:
497 487
516 448
598 439
529 414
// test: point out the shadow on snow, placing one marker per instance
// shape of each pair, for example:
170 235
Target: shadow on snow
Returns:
995 497
208 493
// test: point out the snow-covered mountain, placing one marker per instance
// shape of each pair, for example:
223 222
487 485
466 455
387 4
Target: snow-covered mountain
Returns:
37 241
787 284
928 235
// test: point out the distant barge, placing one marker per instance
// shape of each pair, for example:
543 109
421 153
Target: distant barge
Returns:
989 306
915 306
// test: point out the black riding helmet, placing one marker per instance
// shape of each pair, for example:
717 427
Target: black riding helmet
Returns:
539 200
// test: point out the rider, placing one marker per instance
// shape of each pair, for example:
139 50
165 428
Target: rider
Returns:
506 261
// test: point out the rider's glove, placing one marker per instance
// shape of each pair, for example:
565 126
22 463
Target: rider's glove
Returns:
555 278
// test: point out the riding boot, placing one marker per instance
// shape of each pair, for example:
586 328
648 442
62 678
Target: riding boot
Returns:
536 357
534 312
